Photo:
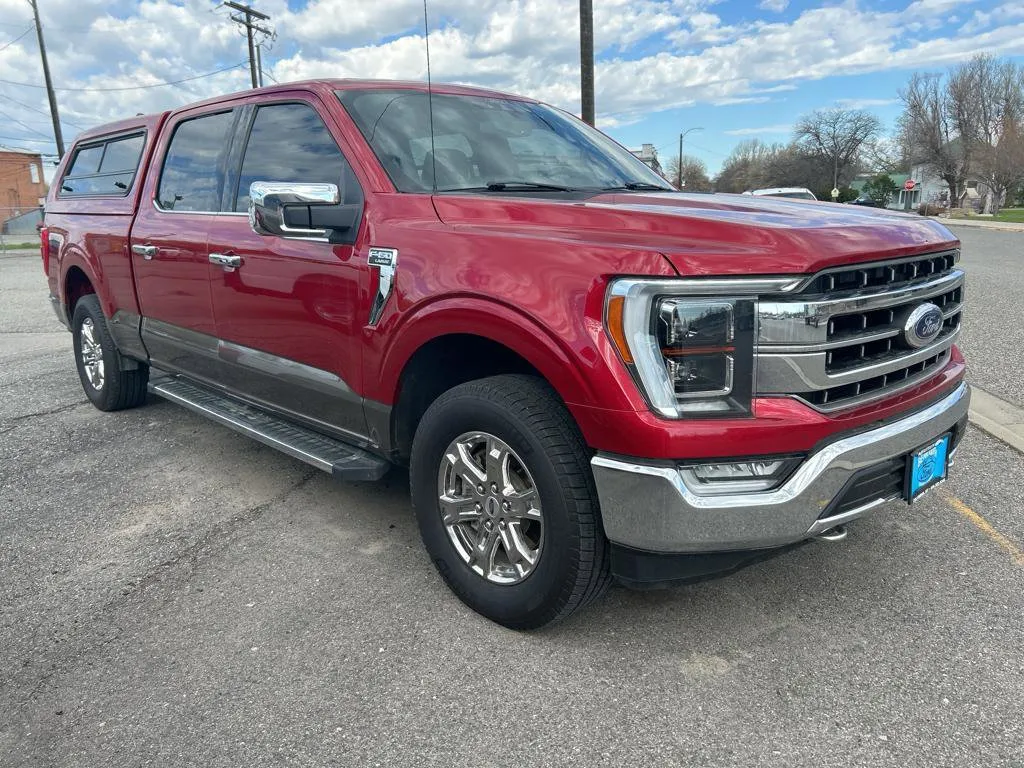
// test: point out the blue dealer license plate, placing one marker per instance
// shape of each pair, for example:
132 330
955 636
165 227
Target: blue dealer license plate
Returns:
927 467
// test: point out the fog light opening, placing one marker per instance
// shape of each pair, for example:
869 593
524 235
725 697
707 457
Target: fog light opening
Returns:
750 476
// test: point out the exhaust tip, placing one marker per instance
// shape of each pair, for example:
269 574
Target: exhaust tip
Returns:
837 533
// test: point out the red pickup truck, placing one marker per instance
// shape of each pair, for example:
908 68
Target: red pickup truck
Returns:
589 374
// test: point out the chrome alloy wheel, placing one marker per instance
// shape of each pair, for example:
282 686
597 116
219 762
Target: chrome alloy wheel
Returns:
92 354
490 507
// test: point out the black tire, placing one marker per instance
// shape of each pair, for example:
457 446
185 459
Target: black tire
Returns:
119 388
522 411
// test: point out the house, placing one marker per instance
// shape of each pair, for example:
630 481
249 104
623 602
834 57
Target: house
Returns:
649 156
928 188
22 187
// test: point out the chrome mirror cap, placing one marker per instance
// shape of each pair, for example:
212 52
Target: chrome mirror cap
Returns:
269 199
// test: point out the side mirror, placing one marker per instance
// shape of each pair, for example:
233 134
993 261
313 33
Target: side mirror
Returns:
298 210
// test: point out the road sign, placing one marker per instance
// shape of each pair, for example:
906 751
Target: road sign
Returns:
909 184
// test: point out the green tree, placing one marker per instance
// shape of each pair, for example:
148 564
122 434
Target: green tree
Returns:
881 189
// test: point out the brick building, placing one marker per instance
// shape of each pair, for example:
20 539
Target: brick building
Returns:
22 187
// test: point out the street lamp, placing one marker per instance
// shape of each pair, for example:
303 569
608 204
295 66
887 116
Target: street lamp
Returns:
679 175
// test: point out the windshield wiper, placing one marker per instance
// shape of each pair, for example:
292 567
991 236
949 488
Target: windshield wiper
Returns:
641 185
503 186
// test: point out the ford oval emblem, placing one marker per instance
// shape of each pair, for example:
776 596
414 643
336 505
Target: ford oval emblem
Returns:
922 327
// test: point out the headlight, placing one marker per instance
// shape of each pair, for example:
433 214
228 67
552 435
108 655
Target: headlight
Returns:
691 355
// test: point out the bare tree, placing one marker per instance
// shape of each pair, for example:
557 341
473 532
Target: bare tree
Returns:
930 130
746 167
997 141
956 124
886 155
836 135
694 175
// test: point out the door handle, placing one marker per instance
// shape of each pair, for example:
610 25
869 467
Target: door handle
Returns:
145 251
226 259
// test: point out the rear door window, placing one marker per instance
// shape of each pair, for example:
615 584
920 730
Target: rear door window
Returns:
106 168
290 143
193 174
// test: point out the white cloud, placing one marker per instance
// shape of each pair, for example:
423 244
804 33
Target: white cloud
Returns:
766 129
777 6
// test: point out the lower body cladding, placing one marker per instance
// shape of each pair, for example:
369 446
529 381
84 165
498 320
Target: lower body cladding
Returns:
662 530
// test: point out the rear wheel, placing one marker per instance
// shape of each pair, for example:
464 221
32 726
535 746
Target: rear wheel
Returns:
99 363
506 504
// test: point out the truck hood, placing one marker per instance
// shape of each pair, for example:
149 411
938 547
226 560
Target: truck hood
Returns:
710 234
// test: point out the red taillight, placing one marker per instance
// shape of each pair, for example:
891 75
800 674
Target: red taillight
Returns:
44 248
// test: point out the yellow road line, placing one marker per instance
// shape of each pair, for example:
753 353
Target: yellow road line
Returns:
985 527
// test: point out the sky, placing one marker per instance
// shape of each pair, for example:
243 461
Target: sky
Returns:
729 69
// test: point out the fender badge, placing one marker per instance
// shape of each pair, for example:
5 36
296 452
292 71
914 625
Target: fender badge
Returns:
382 257
386 262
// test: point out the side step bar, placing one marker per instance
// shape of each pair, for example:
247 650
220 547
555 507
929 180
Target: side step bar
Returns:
340 459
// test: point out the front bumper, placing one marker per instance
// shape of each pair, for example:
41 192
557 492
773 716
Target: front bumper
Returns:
648 507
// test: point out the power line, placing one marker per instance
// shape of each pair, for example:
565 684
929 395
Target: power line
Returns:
12 42
131 87
63 120
22 138
28 128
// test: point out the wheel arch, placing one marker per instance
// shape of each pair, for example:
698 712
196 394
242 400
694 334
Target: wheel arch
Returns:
462 341
82 274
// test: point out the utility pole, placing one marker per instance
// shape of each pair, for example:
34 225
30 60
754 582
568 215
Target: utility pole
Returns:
587 60
679 175
58 136
246 21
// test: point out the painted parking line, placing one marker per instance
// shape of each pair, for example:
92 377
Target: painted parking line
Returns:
985 527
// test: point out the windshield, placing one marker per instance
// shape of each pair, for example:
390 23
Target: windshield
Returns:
481 141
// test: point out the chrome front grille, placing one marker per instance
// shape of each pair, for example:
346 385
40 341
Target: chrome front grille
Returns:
839 347
888 275
874 336
840 395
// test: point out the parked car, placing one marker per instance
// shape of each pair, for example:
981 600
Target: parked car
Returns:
865 200
589 374
796 193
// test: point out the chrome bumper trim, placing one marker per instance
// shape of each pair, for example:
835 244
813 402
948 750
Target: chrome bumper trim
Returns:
673 519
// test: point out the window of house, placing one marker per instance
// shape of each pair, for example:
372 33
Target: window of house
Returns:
33 172
192 178
290 143
105 168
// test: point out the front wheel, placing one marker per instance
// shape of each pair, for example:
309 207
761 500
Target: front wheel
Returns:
506 504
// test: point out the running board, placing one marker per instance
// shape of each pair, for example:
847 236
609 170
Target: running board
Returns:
340 459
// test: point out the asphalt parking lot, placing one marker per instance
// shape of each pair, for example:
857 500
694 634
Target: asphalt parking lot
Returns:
172 593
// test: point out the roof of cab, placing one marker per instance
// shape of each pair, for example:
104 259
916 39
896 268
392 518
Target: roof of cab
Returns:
326 84
335 84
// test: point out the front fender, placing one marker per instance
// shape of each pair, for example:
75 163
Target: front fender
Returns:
570 364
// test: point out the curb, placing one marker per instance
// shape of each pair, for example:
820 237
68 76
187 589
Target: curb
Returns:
1003 420
998 226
